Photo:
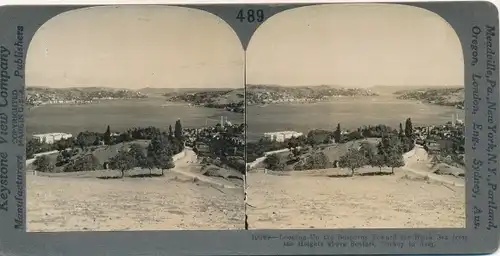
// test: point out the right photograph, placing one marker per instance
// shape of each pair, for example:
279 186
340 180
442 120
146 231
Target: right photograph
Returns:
355 117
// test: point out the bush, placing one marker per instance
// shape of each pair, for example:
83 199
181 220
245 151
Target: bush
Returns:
317 160
273 162
85 163
43 164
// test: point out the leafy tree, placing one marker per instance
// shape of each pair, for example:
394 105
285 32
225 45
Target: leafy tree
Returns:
368 150
138 152
354 159
170 132
123 161
408 128
63 157
378 161
178 130
292 143
316 137
64 144
317 160
273 162
86 139
84 163
33 146
390 148
159 153
43 164
395 160
354 135
107 136
337 135
97 141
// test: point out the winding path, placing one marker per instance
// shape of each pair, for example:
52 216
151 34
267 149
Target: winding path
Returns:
413 157
189 160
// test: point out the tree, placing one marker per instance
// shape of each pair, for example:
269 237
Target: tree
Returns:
395 160
378 161
63 157
354 159
170 132
123 161
84 163
159 153
368 150
178 130
273 162
401 131
43 164
317 160
33 146
139 155
337 135
408 128
107 136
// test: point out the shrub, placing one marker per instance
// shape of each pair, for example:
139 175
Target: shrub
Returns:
43 164
273 162
84 163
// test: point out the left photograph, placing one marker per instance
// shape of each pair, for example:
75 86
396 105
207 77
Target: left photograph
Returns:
135 121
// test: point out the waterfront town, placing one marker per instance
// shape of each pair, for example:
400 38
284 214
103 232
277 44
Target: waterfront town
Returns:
37 96
221 145
320 149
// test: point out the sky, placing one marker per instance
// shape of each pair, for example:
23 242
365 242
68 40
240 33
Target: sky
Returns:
167 47
135 47
355 46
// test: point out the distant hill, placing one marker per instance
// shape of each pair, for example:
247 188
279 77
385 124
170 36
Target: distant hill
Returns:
391 89
37 95
229 99
163 91
451 96
266 94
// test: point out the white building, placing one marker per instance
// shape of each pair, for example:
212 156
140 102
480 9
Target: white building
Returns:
282 136
50 138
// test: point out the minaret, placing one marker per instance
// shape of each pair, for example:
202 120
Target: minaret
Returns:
453 119
222 121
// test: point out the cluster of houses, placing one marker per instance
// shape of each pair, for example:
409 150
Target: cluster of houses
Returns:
200 137
34 98
282 135
51 138
437 138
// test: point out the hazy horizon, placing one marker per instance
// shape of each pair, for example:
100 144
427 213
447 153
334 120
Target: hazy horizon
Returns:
236 88
355 45
135 47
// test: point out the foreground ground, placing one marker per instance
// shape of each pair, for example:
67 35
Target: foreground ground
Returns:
319 199
182 199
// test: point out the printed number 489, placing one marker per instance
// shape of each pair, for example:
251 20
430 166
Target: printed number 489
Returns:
251 15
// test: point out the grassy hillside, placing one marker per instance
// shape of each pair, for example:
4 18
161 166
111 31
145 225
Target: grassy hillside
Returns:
45 95
438 96
229 99
265 94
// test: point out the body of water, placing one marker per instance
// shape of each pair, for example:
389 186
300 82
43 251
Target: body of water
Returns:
351 113
121 115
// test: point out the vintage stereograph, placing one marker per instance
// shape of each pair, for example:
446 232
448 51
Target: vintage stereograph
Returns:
249 129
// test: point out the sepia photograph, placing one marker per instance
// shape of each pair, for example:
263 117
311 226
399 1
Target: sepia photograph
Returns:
135 121
355 119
